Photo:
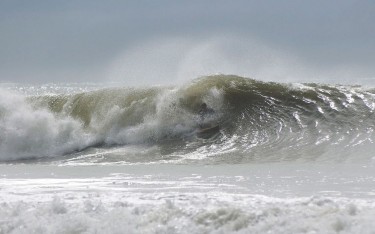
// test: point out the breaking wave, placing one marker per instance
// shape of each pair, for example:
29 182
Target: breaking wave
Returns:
259 121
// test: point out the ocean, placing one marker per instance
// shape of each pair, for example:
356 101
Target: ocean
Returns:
108 158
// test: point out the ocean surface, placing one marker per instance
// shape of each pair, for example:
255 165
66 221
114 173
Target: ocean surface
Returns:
107 158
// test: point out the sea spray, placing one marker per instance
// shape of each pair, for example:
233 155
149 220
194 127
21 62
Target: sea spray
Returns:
27 132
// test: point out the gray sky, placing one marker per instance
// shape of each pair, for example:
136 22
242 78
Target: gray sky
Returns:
166 41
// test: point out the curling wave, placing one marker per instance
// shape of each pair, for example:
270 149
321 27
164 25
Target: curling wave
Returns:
259 121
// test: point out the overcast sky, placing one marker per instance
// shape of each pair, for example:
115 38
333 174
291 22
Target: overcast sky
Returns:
165 41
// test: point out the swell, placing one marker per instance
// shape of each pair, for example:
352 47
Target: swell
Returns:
260 121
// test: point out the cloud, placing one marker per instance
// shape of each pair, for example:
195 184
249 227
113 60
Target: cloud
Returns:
98 41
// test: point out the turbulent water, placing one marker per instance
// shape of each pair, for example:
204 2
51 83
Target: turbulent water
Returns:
259 122
111 158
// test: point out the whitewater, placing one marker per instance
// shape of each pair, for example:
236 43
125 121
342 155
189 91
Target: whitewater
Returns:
108 158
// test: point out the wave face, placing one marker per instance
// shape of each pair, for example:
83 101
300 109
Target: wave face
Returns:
259 121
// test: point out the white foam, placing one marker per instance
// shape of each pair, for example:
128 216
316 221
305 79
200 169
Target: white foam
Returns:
186 199
28 132
186 213
167 120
